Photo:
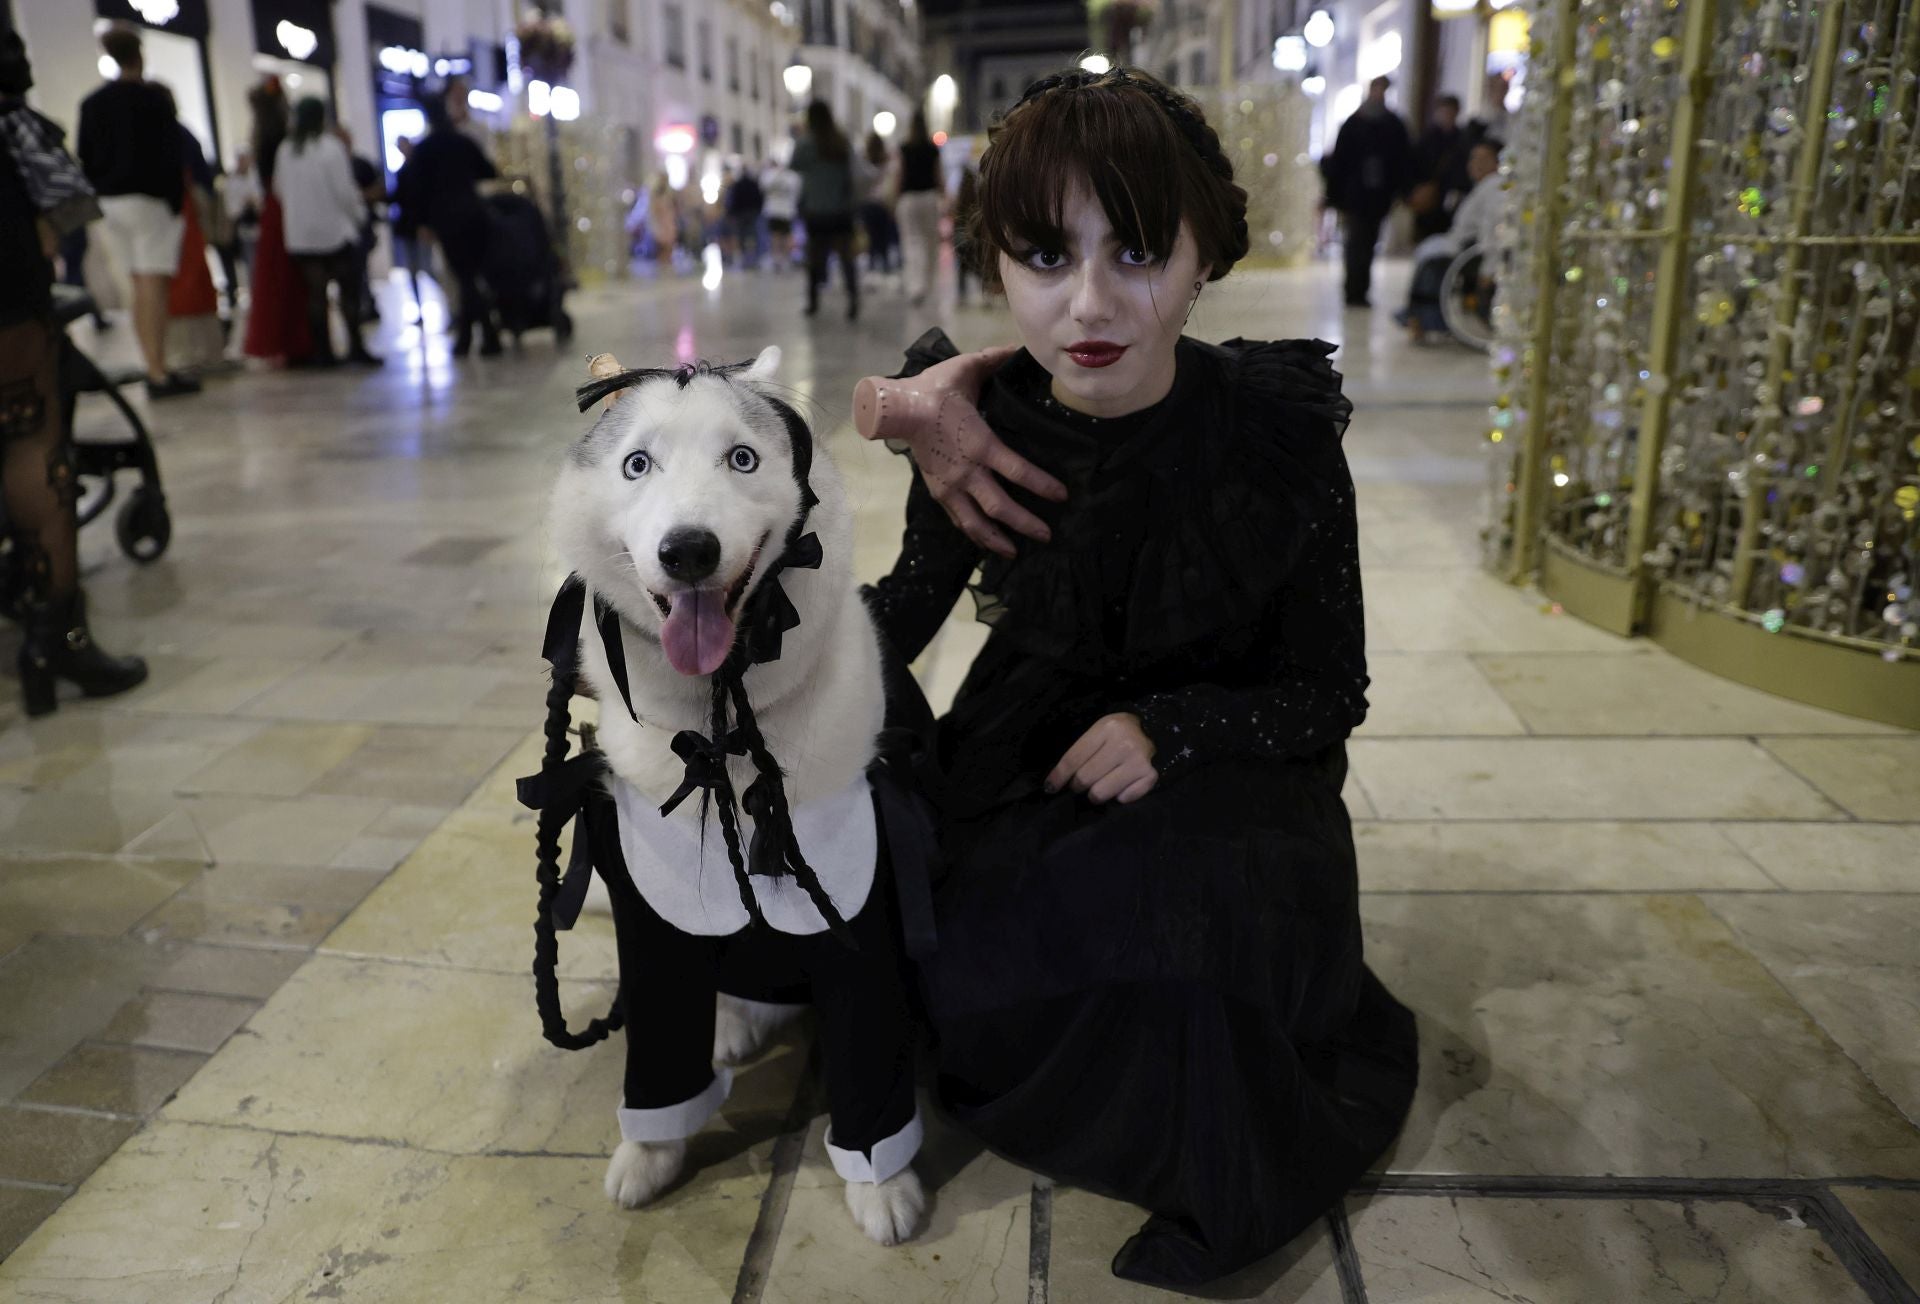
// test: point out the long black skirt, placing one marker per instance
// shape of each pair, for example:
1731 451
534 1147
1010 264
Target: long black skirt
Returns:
1166 1002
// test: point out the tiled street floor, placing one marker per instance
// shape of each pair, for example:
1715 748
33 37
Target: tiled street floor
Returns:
266 1029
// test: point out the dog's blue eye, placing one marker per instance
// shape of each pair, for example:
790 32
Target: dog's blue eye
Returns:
637 465
743 458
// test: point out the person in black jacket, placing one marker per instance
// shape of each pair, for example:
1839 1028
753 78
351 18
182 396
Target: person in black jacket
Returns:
1441 157
1370 166
130 147
36 463
437 189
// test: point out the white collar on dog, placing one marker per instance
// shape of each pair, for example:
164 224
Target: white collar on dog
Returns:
695 889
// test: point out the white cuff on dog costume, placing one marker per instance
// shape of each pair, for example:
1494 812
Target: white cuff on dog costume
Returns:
678 1122
889 1154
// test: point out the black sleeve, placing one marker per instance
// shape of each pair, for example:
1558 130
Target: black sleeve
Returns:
87 140
1313 689
911 602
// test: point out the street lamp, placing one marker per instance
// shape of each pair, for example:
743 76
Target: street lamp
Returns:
884 123
1318 29
1096 63
798 78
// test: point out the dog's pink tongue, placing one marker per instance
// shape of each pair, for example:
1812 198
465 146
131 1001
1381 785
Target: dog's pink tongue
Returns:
698 633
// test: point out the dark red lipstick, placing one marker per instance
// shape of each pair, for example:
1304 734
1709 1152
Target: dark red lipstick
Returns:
1096 353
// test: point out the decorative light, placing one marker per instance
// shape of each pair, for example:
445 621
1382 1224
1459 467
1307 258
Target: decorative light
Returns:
296 40
1454 6
676 166
1290 53
1314 85
1096 64
157 12
939 137
108 68
1378 57
566 103
944 94
675 138
884 123
403 61
538 96
798 79
485 101
1318 29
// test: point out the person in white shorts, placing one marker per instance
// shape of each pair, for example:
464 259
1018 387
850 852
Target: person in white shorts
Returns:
130 147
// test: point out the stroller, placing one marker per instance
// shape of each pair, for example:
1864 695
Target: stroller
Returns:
521 270
143 527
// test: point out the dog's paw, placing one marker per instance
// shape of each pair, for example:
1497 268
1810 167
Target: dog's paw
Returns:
641 1170
888 1212
741 1028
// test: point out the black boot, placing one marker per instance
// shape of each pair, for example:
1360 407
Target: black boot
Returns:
57 645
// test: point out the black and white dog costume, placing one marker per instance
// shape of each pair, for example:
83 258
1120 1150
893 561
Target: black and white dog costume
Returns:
811 898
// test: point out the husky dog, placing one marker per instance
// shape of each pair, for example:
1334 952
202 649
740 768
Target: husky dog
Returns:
672 508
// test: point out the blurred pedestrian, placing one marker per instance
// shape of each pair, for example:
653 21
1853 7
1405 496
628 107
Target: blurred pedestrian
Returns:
780 186
745 199
1441 160
130 146
43 195
966 198
371 182
1370 166
195 341
921 192
824 159
876 206
324 211
438 189
277 301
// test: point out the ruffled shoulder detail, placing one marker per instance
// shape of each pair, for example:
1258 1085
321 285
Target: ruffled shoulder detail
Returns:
1228 493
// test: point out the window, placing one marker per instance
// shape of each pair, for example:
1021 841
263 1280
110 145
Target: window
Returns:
739 142
1198 65
758 152
733 68
674 39
706 49
753 75
617 20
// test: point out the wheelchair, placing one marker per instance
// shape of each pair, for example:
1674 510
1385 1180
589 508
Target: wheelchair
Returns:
1466 299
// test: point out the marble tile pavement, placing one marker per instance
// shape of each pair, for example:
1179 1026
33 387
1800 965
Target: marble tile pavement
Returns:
266 1030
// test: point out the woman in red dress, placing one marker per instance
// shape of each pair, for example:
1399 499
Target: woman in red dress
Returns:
277 315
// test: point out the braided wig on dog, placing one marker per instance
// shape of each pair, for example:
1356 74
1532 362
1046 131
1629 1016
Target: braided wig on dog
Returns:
1145 148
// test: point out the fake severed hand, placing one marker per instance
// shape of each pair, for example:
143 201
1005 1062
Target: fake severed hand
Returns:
959 456
1112 760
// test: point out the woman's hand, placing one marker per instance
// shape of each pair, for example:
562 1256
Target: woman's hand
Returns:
958 454
1112 759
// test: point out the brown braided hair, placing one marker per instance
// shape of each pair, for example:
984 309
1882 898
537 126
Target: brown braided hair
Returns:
1146 149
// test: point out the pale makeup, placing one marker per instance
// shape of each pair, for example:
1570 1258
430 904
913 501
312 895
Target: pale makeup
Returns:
1100 291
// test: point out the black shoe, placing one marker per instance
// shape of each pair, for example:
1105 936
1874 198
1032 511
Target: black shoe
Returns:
173 386
1360 302
57 645
853 311
361 358
490 347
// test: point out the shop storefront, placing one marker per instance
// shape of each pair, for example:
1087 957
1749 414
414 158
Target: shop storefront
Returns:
293 40
174 45
396 46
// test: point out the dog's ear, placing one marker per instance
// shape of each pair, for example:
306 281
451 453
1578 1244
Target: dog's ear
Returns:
765 365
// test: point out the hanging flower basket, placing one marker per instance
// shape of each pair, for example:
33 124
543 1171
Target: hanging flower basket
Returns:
546 46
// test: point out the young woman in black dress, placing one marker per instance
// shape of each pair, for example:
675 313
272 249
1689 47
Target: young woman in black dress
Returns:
1149 978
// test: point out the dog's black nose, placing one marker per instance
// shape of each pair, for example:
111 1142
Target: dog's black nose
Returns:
690 555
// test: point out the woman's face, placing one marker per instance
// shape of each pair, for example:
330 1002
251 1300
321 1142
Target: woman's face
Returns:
1101 317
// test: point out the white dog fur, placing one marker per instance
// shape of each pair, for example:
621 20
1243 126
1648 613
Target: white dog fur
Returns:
820 706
